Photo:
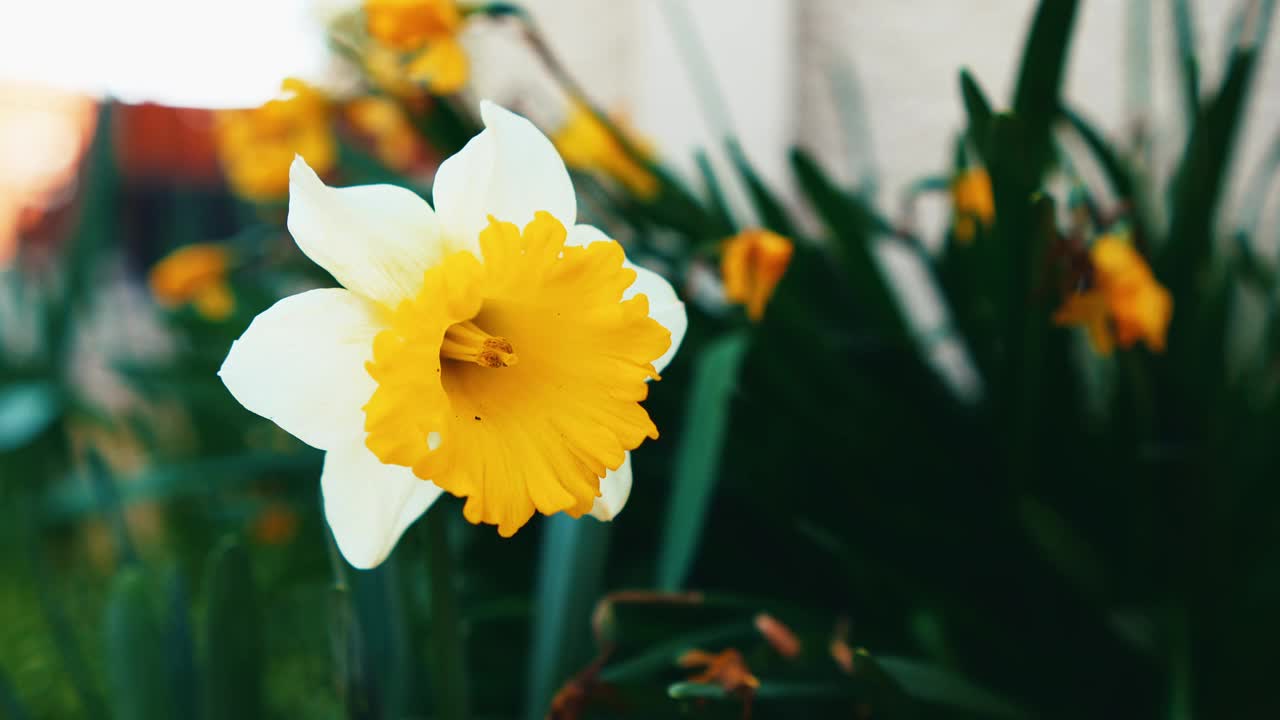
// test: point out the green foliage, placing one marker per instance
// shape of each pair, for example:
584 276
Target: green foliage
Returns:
697 460
232 637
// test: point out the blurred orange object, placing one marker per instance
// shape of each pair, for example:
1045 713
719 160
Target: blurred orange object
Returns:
43 136
155 142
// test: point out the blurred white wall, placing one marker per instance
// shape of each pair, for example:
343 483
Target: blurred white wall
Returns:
773 57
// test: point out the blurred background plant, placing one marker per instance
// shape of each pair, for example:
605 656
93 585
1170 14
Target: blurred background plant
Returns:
1025 471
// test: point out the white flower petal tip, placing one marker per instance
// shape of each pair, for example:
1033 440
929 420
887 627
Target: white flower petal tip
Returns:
377 240
300 364
510 171
615 488
369 505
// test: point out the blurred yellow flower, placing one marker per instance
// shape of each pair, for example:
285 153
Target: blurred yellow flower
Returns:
256 146
752 264
489 346
383 68
195 274
1089 310
972 203
586 144
1127 303
428 29
395 141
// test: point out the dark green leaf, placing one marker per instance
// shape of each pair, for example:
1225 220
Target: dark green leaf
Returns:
570 579
135 661
933 685
448 655
1198 188
853 228
715 195
1118 172
697 463
768 208
184 676
1188 65
1063 547
232 637
1044 60
978 108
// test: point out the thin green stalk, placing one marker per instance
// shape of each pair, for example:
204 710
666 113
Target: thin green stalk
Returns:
448 651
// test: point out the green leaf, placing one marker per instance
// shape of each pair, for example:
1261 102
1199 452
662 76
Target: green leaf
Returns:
853 228
380 653
448 650
663 655
26 410
1118 172
1188 66
769 209
1063 547
933 685
720 213
1044 60
766 691
232 637
184 677
697 463
135 661
978 108
1198 188
570 579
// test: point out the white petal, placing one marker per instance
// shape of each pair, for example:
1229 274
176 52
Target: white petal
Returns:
664 305
377 240
301 365
510 170
369 505
615 488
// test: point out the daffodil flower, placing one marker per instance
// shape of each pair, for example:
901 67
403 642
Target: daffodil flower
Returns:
490 347
256 146
752 264
1126 304
197 275
427 28
586 144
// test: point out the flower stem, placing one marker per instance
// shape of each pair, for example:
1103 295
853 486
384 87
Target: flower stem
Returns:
447 651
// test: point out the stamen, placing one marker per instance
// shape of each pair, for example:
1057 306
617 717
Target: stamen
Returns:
465 341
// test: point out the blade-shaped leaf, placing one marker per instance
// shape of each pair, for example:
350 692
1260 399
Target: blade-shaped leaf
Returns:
697 463
232 637
133 643
1044 59
768 208
570 579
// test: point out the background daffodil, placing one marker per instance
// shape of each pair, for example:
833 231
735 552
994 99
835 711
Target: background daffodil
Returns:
489 347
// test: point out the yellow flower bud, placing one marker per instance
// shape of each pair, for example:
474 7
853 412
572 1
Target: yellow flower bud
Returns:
752 264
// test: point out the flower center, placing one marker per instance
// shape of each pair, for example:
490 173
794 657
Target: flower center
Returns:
563 411
465 341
